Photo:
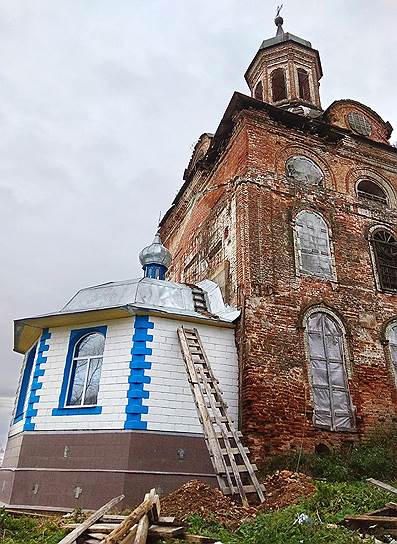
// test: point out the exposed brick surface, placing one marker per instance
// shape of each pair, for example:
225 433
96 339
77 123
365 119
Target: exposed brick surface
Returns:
261 203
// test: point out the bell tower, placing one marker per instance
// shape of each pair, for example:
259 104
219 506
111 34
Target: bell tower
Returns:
286 71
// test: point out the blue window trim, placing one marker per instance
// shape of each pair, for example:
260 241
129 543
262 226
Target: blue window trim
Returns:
137 378
23 390
62 410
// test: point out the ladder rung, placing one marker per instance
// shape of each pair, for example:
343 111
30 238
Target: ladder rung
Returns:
247 489
221 419
241 468
229 435
234 451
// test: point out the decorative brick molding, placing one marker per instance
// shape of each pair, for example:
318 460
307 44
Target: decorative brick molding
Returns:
137 379
34 398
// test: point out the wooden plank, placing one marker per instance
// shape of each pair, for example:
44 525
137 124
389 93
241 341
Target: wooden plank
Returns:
392 505
130 536
97 536
382 485
142 531
72 537
95 528
121 530
367 521
166 532
199 539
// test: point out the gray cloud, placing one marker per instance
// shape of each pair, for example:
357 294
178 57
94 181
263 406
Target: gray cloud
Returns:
100 104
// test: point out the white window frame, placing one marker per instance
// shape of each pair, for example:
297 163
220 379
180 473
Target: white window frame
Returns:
71 383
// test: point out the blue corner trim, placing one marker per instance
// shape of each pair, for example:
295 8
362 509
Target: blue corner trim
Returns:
82 410
137 378
63 410
39 372
23 391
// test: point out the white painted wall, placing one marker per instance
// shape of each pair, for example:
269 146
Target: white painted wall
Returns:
171 406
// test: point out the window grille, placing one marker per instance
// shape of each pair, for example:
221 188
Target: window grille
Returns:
359 123
371 191
384 246
313 246
303 84
86 371
279 86
331 396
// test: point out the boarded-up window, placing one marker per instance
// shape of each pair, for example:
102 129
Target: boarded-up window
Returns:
258 93
332 403
392 337
313 246
384 246
303 84
279 86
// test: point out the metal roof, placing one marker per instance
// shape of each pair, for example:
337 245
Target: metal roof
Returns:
121 299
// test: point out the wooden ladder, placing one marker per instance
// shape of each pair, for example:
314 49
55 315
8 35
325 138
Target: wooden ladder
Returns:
233 469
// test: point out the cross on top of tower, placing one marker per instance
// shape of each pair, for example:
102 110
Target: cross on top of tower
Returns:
279 21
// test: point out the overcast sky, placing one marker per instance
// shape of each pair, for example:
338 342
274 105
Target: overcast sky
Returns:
101 103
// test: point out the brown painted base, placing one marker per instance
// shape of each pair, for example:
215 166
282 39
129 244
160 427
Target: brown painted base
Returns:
85 470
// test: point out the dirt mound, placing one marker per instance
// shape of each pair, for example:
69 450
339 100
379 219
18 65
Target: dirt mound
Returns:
284 488
196 497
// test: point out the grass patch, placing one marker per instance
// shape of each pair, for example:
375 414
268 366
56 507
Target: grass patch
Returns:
329 505
377 458
28 530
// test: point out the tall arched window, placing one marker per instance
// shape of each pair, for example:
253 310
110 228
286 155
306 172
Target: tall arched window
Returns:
85 371
313 246
370 190
332 403
384 247
392 339
258 92
303 85
279 86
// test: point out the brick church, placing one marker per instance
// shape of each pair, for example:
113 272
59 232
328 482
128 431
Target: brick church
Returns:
291 209
280 250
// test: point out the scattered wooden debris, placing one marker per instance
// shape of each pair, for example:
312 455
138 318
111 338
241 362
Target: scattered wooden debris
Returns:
380 522
382 485
144 524
72 537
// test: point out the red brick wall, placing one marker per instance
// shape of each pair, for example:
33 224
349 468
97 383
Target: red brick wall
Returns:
275 390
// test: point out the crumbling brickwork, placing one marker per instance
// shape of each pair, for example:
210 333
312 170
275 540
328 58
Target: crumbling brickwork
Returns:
245 202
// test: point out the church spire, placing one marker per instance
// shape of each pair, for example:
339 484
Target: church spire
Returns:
286 71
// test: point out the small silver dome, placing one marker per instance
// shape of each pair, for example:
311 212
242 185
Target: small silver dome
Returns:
156 253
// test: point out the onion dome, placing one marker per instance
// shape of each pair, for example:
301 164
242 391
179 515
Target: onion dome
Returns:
155 259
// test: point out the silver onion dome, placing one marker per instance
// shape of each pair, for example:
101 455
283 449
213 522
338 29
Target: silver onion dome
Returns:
156 253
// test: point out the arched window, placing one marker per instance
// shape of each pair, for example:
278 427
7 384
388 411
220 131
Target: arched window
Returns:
384 247
392 338
331 396
313 245
370 190
279 86
86 371
258 93
303 85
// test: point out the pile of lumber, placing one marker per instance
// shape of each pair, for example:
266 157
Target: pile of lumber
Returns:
143 524
381 522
